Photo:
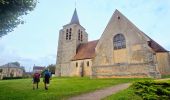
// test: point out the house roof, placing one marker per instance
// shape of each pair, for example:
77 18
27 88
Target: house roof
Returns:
11 65
38 68
86 50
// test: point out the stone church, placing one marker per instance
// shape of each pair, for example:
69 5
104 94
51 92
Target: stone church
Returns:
122 51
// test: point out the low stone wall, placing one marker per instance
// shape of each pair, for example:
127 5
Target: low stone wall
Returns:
124 71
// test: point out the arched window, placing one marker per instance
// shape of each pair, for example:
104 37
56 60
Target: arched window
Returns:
119 41
70 34
67 34
79 34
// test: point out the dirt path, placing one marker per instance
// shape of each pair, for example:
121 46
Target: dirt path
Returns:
99 94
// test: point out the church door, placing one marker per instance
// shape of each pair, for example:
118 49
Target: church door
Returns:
82 69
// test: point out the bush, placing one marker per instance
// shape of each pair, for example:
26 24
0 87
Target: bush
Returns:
151 90
10 78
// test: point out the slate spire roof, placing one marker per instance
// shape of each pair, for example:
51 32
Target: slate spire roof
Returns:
75 19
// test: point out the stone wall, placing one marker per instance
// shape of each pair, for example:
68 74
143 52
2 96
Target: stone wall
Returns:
124 71
163 62
11 72
136 60
82 67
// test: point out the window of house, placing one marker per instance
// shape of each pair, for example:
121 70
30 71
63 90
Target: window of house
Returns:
67 34
70 33
119 41
87 63
76 64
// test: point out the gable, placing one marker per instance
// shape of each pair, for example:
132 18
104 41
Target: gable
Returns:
120 24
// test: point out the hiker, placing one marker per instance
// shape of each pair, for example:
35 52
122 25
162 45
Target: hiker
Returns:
47 76
36 79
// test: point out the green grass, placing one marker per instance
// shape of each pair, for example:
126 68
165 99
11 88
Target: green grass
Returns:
59 89
127 94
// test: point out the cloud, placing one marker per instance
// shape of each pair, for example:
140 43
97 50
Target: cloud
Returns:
8 54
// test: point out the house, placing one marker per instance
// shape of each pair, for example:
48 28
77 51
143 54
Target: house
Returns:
11 70
38 69
122 51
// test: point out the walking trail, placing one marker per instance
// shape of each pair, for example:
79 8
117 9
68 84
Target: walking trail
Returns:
99 94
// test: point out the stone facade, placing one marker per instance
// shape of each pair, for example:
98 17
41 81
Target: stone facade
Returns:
137 55
10 70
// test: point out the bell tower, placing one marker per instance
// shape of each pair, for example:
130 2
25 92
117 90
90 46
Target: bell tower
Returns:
70 37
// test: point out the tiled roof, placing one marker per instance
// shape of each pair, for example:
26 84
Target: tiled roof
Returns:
155 46
86 50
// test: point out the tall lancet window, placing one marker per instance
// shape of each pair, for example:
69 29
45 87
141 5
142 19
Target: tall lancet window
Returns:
119 41
67 34
79 35
70 34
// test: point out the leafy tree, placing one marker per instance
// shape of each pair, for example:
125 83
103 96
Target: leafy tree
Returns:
11 12
51 68
16 63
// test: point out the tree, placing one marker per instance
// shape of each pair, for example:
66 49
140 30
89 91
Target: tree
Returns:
16 63
51 68
11 12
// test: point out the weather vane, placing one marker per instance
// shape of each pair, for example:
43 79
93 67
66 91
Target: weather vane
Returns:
75 3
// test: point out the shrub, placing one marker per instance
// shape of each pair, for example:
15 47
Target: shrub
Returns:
151 90
10 78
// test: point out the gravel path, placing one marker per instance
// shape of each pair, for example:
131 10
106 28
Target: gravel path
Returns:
99 94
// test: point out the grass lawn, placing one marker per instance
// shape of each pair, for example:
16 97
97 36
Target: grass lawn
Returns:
59 89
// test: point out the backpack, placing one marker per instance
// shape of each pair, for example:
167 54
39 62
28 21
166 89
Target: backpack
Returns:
36 75
47 75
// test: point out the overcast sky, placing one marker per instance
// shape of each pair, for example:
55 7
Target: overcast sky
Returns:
35 42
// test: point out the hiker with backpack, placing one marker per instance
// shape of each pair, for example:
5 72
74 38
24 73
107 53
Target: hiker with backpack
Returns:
47 76
36 79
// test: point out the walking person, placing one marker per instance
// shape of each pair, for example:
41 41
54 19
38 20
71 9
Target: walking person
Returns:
36 79
47 76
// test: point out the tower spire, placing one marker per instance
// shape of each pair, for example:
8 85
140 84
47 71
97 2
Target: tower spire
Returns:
75 19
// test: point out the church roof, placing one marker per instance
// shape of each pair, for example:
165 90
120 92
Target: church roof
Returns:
75 19
86 50
155 46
